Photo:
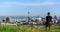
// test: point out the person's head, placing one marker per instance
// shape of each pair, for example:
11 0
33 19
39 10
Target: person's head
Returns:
48 13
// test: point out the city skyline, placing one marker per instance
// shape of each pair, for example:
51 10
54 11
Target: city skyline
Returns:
35 7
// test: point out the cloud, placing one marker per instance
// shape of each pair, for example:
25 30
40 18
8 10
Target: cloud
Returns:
7 4
37 4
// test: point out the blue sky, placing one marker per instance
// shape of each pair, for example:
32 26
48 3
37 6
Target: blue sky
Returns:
36 7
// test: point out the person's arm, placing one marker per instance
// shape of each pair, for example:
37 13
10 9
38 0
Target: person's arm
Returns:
52 20
46 17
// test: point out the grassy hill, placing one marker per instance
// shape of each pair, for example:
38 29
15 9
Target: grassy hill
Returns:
28 29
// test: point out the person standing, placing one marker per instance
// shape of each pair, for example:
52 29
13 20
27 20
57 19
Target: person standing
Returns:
48 21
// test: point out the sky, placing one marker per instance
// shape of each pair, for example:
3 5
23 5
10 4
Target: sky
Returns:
35 7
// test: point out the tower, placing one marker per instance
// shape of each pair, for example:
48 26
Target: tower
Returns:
28 16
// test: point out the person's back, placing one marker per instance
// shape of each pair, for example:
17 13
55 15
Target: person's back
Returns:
48 20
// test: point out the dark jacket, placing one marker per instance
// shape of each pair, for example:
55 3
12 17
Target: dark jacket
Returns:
48 18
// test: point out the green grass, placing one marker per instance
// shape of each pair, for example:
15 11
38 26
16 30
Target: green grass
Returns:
28 29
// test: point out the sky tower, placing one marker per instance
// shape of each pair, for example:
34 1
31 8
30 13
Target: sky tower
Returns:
29 16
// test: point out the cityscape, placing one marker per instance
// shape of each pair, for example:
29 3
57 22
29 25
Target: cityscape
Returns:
29 15
28 20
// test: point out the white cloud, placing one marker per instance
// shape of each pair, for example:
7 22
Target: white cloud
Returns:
7 4
37 4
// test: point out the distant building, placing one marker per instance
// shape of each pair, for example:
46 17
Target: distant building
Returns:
33 19
40 20
58 22
7 20
29 19
55 17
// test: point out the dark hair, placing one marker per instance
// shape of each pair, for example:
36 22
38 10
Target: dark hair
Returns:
48 13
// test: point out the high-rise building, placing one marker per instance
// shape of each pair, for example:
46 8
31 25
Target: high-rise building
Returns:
55 17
